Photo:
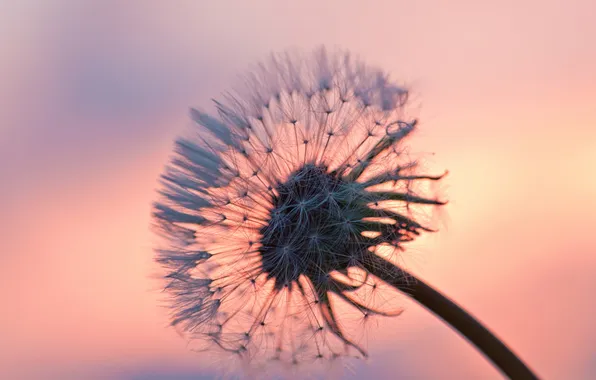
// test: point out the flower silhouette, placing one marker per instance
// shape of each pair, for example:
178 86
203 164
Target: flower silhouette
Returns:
283 212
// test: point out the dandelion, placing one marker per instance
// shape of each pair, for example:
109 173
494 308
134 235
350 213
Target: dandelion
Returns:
284 213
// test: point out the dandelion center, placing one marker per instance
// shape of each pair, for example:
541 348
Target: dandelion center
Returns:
309 231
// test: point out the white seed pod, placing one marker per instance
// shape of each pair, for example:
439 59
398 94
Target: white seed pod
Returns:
274 209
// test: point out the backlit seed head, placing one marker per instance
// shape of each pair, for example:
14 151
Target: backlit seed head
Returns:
274 209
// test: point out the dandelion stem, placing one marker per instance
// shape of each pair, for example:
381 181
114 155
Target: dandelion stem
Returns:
454 315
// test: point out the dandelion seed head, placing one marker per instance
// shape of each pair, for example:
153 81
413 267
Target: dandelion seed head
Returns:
273 209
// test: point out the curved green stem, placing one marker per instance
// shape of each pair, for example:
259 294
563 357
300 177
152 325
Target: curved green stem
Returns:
459 319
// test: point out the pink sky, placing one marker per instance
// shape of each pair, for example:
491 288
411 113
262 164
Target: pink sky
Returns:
95 92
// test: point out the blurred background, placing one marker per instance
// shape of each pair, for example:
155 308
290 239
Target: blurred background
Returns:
94 92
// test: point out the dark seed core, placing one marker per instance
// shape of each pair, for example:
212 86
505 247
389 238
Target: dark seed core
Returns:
313 229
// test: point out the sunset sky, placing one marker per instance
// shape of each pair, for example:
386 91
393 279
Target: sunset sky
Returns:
94 92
